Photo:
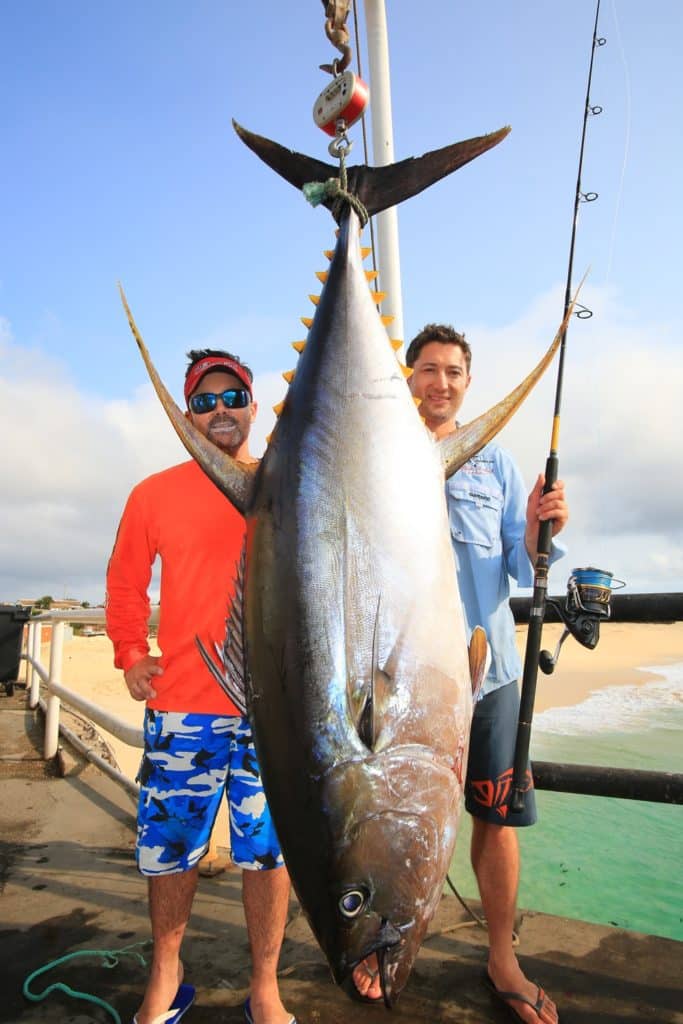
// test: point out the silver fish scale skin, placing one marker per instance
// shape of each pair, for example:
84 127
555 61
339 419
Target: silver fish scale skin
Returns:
349 547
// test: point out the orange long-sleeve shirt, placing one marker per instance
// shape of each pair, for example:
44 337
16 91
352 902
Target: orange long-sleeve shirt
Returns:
181 516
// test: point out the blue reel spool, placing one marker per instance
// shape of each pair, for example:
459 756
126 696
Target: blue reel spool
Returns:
590 589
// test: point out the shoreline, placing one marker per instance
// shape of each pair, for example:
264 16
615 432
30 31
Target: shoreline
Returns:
627 654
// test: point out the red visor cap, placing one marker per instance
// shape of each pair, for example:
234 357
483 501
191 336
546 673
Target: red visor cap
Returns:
205 366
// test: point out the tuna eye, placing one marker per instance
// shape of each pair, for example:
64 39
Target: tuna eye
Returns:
352 903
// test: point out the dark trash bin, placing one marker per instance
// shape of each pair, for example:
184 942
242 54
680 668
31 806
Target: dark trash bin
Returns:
12 619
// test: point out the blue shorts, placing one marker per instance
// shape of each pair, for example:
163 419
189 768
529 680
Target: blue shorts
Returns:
488 786
189 761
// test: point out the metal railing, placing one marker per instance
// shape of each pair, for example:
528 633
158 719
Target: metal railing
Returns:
56 692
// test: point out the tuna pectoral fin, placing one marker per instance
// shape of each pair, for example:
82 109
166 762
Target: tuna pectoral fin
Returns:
367 698
479 660
229 680
378 188
233 478
457 448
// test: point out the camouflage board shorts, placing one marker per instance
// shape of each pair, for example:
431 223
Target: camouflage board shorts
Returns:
190 760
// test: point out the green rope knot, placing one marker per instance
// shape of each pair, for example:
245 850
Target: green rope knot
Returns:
317 192
335 189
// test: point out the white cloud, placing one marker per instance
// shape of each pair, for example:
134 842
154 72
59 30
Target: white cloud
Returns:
621 420
68 460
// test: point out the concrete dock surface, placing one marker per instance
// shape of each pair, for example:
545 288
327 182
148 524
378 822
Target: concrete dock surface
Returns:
68 883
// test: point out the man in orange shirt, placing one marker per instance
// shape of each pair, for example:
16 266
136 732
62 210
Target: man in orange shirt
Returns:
198 744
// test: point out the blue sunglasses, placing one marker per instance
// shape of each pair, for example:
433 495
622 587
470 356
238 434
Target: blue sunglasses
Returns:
232 398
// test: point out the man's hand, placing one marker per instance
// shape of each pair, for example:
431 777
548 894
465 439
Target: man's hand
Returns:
541 506
140 675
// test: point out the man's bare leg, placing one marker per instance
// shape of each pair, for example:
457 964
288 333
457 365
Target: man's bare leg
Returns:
170 905
495 859
265 895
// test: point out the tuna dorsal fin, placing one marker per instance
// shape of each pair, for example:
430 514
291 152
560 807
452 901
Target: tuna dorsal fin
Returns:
457 448
234 479
478 657
378 188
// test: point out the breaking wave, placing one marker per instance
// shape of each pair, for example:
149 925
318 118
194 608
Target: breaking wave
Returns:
656 704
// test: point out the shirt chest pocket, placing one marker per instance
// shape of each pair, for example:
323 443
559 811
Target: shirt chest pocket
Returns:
475 514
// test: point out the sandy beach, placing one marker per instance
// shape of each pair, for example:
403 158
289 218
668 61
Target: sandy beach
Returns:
625 656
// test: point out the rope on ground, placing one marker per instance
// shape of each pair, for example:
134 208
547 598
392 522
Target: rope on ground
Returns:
109 957
481 921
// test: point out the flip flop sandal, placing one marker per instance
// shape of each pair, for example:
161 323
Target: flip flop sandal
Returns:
506 997
182 1001
250 1020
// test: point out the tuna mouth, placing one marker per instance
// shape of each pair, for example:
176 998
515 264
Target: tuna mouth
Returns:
387 938
384 979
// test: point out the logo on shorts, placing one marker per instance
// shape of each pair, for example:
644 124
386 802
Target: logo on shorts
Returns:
495 794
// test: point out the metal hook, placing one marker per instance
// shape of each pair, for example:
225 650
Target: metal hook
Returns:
336 13
340 146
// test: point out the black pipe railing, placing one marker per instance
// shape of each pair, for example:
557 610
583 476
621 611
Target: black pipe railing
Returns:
596 780
623 608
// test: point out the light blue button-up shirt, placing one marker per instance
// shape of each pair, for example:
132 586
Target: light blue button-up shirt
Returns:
487 511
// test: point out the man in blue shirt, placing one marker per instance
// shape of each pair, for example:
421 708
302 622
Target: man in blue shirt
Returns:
494 530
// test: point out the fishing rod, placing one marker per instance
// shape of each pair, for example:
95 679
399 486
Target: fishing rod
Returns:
520 783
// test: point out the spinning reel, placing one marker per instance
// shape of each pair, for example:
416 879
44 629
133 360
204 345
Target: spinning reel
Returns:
586 605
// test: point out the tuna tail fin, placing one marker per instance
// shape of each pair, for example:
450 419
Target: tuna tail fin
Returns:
378 188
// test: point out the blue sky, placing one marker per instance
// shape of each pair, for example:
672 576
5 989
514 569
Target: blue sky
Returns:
119 163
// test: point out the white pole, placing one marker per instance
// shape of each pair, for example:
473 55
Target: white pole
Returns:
52 710
383 154
26 649
36 631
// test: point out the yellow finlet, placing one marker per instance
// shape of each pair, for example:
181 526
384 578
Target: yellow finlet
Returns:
315 299
307 321
268 437
277 409
321 275
329 253
365 251
289 375
386 320
371 275
407 371
299 346
418 402
396 343
378 298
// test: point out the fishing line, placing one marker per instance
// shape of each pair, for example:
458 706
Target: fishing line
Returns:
363 128
522 780
627 144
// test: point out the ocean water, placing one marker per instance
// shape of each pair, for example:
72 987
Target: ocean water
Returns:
595 858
